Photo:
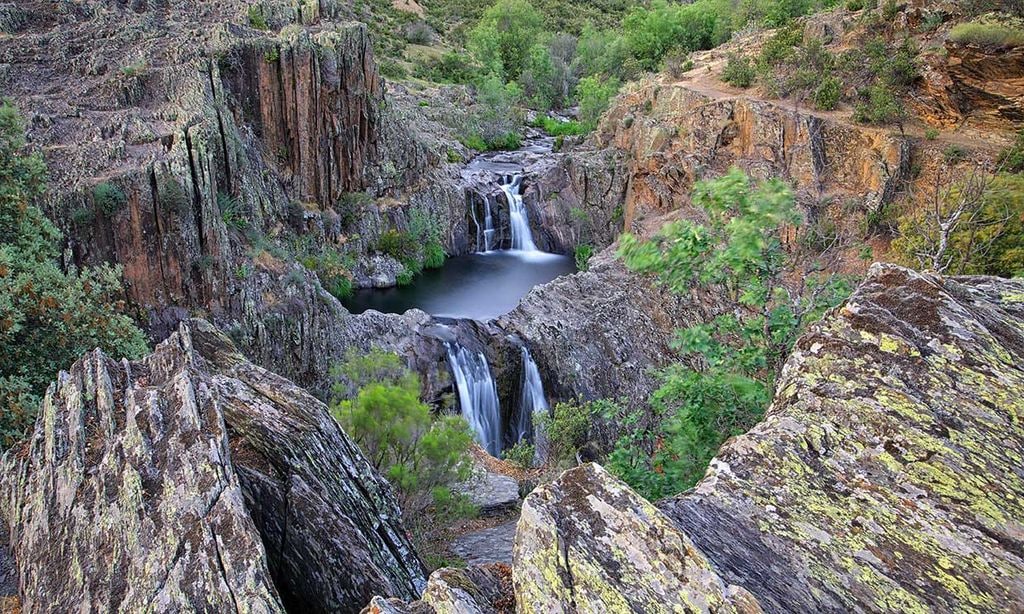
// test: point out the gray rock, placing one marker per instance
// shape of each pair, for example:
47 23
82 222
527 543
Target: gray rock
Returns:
194 479
492 493
491 545
479 589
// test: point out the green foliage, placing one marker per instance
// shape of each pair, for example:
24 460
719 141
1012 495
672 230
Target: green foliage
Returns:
583 254
48 317
738 71
231 211
109 198
495 123
732 358
566 428
555 127
931 134
521 454
595 95
987 34
828 93
377 401
954 154
256 17
504 36
1011 160
388 67
879 105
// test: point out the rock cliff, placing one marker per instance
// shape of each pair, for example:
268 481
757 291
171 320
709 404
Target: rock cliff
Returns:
196 479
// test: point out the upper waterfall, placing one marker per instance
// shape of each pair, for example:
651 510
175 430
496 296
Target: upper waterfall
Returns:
478 396
519 219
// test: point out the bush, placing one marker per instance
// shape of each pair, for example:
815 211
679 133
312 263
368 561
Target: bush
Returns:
555 127
49 317
521 454
828 93
231 211
931 134
109 198
954 154
397 244
595 96
1011 160
504 36
739 72
419 33
377 401
256 17
879 105
566 428
583 254
987 35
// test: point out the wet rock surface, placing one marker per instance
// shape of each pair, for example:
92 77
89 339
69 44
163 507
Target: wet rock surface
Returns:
188 478
886 475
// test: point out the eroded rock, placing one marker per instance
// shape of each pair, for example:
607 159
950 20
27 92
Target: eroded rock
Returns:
194 479
483 589
588 543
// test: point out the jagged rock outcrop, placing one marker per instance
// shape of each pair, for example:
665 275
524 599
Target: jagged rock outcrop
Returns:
193 478
886 476
588 543
483 589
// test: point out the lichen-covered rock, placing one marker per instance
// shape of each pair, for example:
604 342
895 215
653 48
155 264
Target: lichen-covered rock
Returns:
588 543
886 476
482 589
194 479
125 498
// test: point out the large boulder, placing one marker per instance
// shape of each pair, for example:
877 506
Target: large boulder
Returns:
195 480
887 474
588 543
481 589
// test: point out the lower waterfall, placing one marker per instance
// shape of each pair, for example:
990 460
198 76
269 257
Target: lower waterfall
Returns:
519 220
533 401
478 396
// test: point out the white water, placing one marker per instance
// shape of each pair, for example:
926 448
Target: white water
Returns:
519 220
488 225
533 401
478 396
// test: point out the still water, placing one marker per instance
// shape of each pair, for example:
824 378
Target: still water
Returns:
480 286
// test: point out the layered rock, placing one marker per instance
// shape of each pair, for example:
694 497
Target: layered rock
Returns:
196 479
886 474
587 543
484 589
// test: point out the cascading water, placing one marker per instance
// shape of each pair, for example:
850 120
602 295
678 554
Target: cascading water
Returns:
478 396
488 225
519 220
533 401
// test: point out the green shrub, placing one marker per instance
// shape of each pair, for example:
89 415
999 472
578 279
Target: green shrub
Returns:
1011 160
734 356
954 154
391 69
583 254
931 134
377 401
504 36
555 127
566 428
397 244
739 72
49 317
256 17
433 255
109 198
879 105
890 9
595 94
521 454
231 211
854 5
828 93
987 35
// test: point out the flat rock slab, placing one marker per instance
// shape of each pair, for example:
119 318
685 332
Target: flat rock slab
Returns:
493 545
493 493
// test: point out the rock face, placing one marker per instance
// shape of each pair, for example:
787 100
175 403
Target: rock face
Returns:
886 474
194 479
587 543
483 589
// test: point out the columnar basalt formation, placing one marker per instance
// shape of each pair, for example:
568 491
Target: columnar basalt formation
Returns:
194 476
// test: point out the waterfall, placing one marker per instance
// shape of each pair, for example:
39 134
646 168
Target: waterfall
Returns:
519 220
488 225
478 396
533 403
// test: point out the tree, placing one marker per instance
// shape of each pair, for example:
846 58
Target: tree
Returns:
49 317
503 37
765 294
377 401
973 224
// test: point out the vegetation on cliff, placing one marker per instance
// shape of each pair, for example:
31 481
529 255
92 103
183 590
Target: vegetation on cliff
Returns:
49 316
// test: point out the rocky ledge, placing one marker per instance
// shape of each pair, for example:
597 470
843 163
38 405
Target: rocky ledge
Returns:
194 479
